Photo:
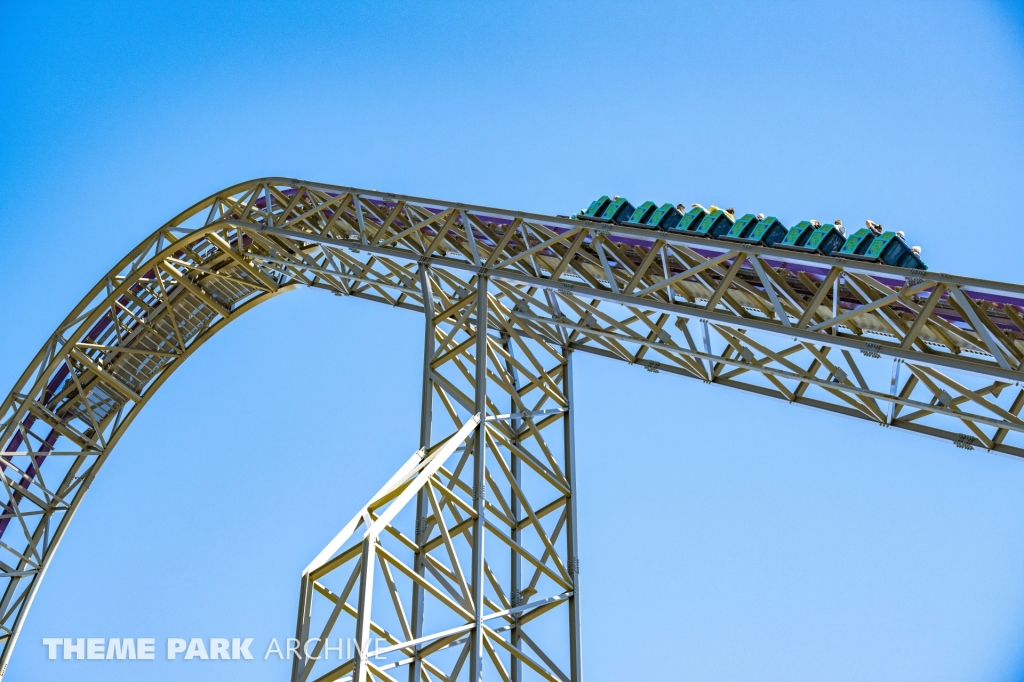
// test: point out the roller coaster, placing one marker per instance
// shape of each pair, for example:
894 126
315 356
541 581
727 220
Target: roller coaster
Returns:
465 564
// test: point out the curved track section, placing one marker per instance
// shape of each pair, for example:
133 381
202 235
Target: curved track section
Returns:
928 352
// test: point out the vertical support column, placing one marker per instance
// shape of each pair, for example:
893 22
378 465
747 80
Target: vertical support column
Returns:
422 510
893 390
665 273
516 565
269 201
835 303
358 205
479 482
571 527
707 349
302 626
466 343
361 673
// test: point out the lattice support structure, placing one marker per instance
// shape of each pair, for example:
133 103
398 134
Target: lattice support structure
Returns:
464 565
937 354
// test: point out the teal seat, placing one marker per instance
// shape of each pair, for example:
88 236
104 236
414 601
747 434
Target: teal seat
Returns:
887 248
596 208
665 218
690 219
856 244
753 230
715 224
825 240
641 215
617 211
742 227
797 235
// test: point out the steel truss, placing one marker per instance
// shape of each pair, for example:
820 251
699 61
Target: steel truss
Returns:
470 549
474 538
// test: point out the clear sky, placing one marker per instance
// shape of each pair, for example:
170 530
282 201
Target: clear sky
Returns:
724 537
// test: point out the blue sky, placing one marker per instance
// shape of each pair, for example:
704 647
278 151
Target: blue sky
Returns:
723 537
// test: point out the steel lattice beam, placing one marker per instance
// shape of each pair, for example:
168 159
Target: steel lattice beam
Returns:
928 352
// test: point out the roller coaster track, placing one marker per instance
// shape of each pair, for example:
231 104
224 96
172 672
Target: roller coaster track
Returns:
508 297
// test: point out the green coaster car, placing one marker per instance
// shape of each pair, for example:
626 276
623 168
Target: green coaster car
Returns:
751 229
857 243
690 220
605 210
666 217
651 217
715 224
596 209
824 239
797 235
641 214
618 211
888 248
